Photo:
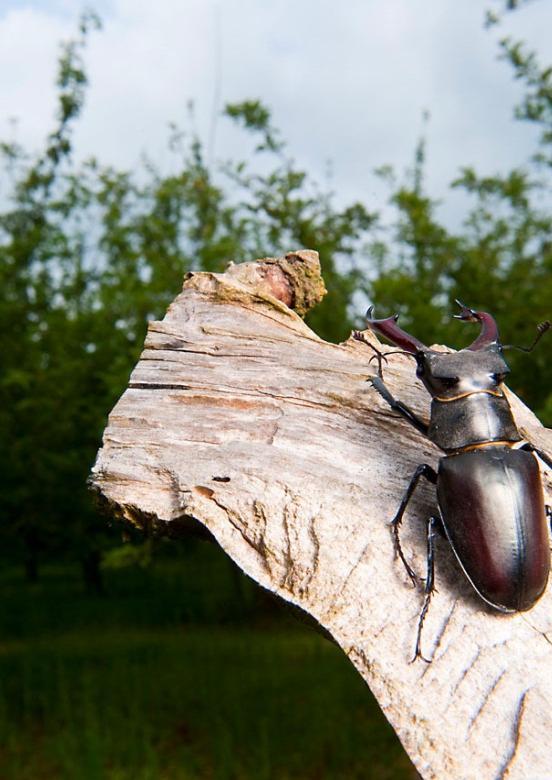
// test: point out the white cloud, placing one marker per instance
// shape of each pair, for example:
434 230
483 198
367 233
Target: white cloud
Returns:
346 82
28 51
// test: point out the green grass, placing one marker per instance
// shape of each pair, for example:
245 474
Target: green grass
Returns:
157 681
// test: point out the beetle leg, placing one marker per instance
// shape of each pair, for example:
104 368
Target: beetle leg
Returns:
432 523
542 455
542 328
379 356
424 470
408 414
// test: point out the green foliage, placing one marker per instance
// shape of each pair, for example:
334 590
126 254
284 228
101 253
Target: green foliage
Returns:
536 105
412 257
253 115
501 258
501 261
89 253
494 17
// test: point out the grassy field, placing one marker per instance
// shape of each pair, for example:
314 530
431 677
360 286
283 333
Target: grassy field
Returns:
182 670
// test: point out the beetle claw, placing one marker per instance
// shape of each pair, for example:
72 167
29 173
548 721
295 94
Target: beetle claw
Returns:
379 356
424 581
415 580
421 657
359 336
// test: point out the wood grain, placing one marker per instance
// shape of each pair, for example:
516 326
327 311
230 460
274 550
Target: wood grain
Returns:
239 418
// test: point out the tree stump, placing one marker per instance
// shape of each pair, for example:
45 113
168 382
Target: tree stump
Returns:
240 418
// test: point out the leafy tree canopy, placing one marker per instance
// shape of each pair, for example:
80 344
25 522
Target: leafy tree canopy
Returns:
89 253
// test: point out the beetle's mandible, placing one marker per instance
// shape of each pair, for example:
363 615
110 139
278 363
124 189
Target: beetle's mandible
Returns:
489 491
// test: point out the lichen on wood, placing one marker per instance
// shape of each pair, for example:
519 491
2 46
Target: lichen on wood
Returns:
239 418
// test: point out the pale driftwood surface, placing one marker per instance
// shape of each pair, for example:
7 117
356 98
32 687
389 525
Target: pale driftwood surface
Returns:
240 417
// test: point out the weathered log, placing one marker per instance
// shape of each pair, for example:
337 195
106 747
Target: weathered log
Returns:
240 418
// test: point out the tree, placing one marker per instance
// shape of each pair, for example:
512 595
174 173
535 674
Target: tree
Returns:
88 254
501 260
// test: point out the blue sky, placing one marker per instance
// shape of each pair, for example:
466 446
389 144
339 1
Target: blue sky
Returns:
347 82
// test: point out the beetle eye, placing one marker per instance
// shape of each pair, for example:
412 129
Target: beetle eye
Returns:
450 381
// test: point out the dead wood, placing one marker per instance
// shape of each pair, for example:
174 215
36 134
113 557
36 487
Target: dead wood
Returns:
239 417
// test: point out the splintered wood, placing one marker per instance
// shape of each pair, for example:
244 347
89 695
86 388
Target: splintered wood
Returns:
239 418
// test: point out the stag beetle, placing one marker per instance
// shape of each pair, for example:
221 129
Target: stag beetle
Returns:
489 492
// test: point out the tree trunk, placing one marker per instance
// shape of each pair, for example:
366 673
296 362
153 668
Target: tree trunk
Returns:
241 419
92 572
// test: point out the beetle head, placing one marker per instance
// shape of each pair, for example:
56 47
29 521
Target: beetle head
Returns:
478 367
448 375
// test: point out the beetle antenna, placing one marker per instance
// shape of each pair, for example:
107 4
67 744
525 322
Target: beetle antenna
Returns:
400 352
542 328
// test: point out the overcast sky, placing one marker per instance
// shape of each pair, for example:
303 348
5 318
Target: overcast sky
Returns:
347 81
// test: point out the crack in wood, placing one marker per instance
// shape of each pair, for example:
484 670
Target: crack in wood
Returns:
259 514
518 718
465 673
297 576
235 336
316 552
157 386
214 352
235 520
538 631
439 635
487 698
345 583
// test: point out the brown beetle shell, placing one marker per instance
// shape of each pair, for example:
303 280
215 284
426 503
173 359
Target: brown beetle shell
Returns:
492 507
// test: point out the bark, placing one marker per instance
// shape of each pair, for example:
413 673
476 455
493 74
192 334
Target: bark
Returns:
239 418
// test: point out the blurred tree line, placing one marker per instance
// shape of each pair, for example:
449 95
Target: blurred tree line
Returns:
89 253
